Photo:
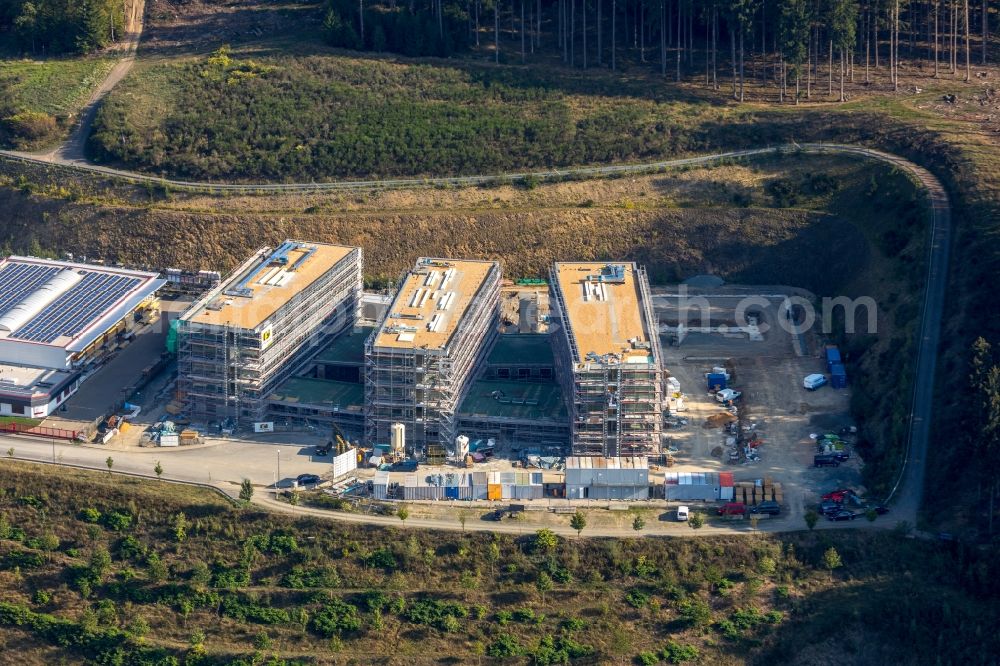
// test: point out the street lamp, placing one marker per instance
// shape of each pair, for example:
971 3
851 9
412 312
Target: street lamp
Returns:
279 471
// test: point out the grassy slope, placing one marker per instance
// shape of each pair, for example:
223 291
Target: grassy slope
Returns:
891 619
56 87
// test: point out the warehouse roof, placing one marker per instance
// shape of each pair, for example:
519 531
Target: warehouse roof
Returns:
266 282
347 396
64 304
432 302
516 400
24 382
604 310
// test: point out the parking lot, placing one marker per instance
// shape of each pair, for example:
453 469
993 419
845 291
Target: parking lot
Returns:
769 373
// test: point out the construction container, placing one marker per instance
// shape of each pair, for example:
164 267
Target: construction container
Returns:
691 486
716 381
494 491
832 357
479 492
838 376
527 492
380 485
593 477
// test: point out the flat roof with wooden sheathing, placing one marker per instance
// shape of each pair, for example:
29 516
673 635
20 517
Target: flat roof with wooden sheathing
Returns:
604 308
431 303
267 282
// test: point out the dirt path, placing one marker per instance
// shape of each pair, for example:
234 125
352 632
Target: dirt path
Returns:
71 151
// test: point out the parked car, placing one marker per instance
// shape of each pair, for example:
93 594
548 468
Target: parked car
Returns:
841 515
727 395
880 509
825 460
324 449
843 455
732 509
682 513
827 507
813 382
307 479
838 495
770 507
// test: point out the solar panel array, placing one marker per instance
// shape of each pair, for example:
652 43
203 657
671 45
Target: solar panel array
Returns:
17 281
69 314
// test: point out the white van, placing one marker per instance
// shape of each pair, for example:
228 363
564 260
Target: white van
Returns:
813 382
682 513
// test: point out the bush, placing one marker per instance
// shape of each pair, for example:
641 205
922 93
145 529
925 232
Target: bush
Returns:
380 558
335 619
119 521
637 598
435 613
695 612
503 646
561 650
90 515
675 653
30 125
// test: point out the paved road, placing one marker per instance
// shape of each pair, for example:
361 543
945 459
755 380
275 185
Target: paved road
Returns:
908 491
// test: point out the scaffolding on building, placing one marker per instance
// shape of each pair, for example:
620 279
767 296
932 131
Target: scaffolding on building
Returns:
422 386
615 404
226 370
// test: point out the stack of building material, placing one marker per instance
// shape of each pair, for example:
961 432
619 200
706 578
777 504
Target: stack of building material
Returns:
760 490
189 437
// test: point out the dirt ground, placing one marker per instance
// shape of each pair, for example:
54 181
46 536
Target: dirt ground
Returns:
769 373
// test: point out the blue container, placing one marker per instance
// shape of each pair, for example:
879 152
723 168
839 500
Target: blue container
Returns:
451 492
716 381
832 357
838 376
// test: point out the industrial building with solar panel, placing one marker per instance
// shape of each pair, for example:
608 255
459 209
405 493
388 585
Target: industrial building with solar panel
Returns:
58 320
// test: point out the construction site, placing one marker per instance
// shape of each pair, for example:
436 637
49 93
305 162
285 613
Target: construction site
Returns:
608 358
552 392
241 340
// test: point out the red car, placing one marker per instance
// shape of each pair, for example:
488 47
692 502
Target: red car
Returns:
838 495
732 509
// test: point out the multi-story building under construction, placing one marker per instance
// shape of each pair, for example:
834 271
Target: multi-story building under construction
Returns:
425 353
236 344
608 358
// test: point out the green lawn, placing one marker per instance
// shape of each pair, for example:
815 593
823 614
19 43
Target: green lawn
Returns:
41 98
56 87
20 420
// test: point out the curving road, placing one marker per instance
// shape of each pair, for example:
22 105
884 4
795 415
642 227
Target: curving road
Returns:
908 490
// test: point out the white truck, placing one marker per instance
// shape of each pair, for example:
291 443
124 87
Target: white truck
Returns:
727 395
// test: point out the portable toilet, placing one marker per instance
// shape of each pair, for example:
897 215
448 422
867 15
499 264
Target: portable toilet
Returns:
832 357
